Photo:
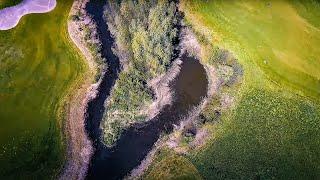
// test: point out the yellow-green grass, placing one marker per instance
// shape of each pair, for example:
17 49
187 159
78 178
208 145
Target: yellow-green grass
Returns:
270 35
269 135
274 130
168 165
38 68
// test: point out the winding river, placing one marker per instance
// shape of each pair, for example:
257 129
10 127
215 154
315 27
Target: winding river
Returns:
189 87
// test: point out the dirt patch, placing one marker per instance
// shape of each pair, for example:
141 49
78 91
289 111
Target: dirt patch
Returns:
79 146
163 93
76 30
189 43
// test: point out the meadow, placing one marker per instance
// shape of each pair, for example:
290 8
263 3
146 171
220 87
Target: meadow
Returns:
270 35
39 66
273 129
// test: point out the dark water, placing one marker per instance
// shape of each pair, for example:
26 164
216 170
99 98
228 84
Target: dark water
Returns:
96 108
135 143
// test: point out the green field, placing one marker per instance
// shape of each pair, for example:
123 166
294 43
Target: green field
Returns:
38 67
271 35
274 129
162 168
269 136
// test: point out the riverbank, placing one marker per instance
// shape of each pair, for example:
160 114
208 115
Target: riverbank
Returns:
185 84
269 120
79 146
10 16
132 99
188 45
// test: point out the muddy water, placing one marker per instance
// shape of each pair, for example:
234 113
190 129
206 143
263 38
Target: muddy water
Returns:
135 143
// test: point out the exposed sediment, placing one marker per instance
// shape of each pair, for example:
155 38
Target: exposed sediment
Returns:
79 146
10 17
161 88
76 32
160 85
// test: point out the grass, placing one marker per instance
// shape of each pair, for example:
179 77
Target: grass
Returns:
277 137
273 131
168 165
39 65
272 36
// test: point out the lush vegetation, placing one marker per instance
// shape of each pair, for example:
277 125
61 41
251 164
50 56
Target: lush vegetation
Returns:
273 130
144 33
38 68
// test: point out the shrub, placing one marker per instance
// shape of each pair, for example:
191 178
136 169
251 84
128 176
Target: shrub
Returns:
144 33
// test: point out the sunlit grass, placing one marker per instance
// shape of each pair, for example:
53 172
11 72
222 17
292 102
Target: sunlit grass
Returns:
273 132
270 35
269 135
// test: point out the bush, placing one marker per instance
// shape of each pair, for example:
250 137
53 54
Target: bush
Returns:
144 33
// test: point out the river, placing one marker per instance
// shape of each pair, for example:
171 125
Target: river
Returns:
189 87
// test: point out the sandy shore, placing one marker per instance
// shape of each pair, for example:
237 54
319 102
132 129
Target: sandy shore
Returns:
10 17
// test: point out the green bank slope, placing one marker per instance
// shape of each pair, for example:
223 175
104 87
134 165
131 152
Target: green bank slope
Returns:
38 67
274 129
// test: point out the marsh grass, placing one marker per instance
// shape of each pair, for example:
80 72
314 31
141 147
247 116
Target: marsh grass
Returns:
168 165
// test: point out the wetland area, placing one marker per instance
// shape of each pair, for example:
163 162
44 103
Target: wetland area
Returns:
93 89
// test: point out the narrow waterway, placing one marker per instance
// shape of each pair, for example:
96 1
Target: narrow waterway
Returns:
135 143
96 106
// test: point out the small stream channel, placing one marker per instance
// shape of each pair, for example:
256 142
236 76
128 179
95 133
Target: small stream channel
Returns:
190 86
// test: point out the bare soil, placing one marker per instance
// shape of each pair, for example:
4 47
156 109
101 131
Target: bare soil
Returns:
79 146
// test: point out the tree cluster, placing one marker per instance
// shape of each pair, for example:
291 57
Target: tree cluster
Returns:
144 34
